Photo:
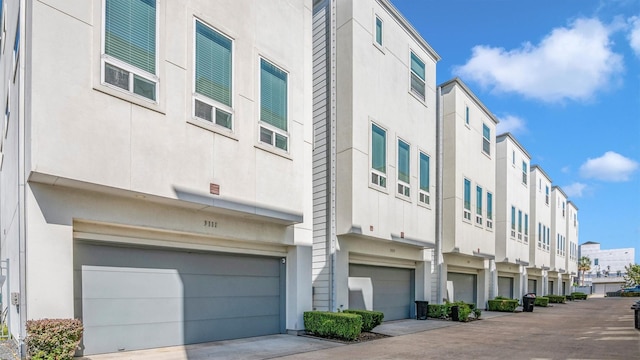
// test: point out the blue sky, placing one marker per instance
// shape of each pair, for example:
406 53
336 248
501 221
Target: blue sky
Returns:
563 76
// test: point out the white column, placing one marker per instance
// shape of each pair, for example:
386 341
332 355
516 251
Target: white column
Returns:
299 297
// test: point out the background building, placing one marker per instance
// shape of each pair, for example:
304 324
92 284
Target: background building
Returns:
607 266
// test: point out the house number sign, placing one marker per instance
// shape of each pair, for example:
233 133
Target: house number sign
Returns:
210 224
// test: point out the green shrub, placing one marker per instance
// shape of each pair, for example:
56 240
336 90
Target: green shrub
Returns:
335 325
436 311
370 319
464 310
53 339
502 304
579 296
556 299
541 301
630 294
477 313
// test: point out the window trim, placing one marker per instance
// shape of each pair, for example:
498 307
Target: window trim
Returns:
373 171
479 197
467 115
424 194
489 210
216 105
104 59
380 45
525 175
487 140
421 97
513 222
466 211
261 124
406 186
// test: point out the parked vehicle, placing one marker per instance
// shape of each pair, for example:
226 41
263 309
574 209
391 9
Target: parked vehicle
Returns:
633 289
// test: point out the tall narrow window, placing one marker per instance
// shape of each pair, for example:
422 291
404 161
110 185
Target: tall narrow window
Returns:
563 209
417 76
486 139
526 227
16 49
546 195
212 76
378 31
273 105
403 168
548 238
513 221
513 157
489 210
479 205
539 235
466 115
129 57
467 199
424 179
519 224
524 172
378 156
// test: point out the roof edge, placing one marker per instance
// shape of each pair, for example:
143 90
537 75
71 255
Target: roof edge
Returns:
457 81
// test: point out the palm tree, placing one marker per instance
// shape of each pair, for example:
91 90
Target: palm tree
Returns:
584 264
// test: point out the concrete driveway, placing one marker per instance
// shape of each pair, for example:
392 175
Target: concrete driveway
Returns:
593 329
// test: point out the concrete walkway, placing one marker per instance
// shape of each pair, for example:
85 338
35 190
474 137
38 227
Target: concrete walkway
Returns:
598 328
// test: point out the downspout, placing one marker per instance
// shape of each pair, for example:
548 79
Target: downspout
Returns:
439 176
22 193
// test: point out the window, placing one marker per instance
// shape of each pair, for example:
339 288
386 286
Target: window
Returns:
16 50
546 196
212 76
7 115
424 179
539 235
519 224
563 209
486 139
595 262
466 115
513 157
378 31
467 200
489 210
478 205
378 156
403 168
513 221
524 172
129 57
526 228
273 106
548 239
417 76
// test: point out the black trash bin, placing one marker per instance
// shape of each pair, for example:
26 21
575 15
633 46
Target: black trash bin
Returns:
422 310
455 313
528 301
636 308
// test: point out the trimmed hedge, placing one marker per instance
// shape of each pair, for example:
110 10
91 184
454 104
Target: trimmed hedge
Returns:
502 304
541 301
370 319
436 311
579 296
556 299
334 325
630 294
53 338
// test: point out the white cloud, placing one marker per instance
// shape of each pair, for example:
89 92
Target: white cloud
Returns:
634 34
609 167
512 124
575 190
571 62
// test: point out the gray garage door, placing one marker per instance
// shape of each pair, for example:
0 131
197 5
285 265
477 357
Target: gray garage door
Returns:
464 287
505 287
393 290
532 285
605 288
131 298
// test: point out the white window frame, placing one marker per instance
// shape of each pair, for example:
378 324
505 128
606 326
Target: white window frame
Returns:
526 228
374 174
467 115
488 153
206 100
466 213
479 218
525 175
380 45
513 222
263 125
489 210
546 195
106 59
424 197
403 189
421 97
519 224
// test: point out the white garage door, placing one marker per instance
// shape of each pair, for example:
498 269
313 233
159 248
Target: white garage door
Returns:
133 298
464 287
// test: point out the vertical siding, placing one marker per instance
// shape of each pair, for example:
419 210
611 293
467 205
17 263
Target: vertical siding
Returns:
320 262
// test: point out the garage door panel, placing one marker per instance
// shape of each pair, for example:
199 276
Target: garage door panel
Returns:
464 287
156 297
392 290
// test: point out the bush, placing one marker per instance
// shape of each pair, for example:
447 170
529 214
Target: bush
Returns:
579 296
629 294
556 299
370 319
335 325
53 339
502 304
436 311
541 301
464 310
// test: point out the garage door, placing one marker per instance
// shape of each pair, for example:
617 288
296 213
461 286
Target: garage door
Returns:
131 298
505 287
464 287
392 290
532 285
605 288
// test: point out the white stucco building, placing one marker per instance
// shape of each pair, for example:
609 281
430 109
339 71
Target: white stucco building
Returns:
374 159
558 284
468 187
540 238
573 224
156 179
512 216
607 266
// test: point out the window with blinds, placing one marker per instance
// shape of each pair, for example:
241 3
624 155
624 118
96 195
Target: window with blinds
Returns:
486 139
213 76
425 195
404 174
129 58
273 106
378 156
417 76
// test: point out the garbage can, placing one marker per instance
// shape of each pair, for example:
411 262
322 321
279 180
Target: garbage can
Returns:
422 310
528 301
455 313
636 308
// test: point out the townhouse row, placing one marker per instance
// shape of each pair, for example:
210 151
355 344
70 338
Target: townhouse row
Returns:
181 172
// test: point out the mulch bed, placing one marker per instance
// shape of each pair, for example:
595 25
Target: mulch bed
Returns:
363 337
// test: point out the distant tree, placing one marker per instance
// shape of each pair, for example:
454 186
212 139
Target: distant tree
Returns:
584 264
632 278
